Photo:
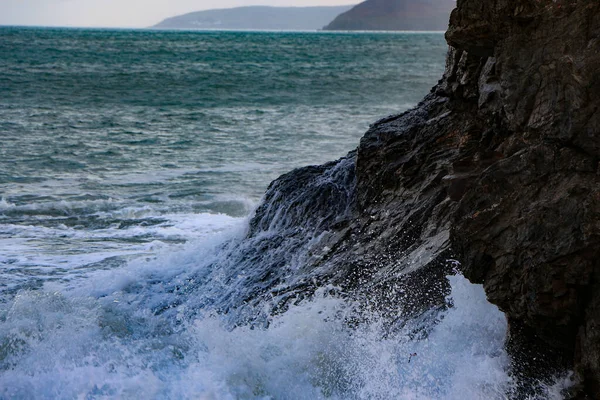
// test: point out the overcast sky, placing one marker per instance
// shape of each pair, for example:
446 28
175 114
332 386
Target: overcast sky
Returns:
122 13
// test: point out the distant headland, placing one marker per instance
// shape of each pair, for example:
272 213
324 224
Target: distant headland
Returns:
395 15
370 15
256 18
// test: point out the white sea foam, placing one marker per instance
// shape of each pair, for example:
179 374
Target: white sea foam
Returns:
67 252
5 205
139 329
98 335
66 344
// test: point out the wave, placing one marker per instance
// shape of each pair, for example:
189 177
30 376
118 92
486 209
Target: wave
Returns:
65 345
241 313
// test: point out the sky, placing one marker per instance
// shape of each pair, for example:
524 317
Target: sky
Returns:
122 13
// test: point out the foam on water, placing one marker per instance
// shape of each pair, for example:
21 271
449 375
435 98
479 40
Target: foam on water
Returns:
104 336
63 343
67 240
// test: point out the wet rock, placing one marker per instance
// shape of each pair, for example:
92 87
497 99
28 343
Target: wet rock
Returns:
498 167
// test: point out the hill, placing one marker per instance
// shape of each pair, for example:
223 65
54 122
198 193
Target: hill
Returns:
395 15
256 17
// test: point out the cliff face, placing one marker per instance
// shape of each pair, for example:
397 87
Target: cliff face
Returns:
528 223
395 15
508 143
497 168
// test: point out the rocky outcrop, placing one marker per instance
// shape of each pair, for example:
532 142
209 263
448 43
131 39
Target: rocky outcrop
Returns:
509 145
497 168
528 224
395 15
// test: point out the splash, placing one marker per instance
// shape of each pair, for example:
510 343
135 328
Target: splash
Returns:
56 345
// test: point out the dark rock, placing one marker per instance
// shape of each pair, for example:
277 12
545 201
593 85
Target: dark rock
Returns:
497 167
529 228
504 155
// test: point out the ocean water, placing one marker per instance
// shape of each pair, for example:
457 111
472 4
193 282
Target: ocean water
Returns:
117 143
130 163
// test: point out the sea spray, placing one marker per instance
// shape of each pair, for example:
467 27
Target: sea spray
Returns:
205 319
55 345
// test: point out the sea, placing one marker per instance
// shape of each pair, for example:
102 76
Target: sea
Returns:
130 164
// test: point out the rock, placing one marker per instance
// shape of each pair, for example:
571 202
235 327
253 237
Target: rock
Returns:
504 154
498 168
529 228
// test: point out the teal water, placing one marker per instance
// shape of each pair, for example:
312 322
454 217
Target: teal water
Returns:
114 141
129 164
